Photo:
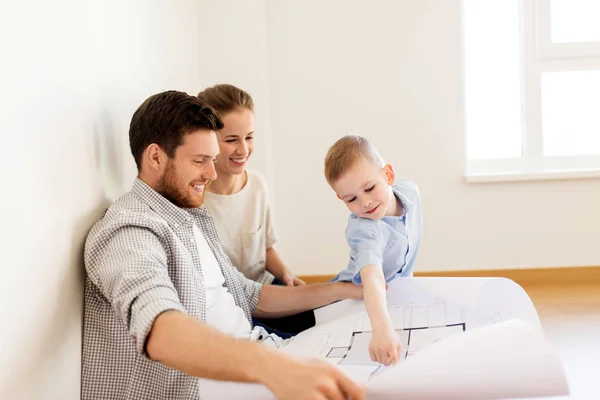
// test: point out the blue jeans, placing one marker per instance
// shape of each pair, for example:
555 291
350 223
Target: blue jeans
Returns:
290 326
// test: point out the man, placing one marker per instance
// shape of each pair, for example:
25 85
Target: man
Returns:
163 304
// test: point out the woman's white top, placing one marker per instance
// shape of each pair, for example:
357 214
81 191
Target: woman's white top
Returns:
244 225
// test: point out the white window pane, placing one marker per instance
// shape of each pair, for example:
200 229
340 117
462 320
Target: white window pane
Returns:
575 21
570 112
492 79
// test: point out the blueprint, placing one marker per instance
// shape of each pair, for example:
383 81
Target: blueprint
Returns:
468 335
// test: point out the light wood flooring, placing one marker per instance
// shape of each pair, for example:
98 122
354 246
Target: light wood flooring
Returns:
570 315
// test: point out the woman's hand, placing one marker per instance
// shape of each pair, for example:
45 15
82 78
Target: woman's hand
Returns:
291 280
278 269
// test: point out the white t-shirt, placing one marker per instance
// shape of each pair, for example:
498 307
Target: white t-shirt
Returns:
244 225
221 311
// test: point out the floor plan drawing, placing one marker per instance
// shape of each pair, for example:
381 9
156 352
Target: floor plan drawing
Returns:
416 325
470 336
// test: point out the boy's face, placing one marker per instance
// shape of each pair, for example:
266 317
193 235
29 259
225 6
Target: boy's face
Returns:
365 189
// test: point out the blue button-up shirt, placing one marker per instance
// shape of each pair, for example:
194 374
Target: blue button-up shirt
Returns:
390 243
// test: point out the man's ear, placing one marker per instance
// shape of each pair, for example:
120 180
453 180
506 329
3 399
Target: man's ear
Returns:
155 157
390 175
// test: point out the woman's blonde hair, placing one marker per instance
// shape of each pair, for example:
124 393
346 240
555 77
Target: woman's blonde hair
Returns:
225 98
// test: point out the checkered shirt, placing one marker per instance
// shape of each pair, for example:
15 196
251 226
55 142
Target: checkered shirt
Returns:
141 260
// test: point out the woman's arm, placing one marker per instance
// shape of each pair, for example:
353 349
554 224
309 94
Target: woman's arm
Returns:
275 265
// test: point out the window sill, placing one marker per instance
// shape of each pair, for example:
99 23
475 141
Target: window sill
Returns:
524 176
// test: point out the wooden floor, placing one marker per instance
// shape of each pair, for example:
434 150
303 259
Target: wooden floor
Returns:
570 315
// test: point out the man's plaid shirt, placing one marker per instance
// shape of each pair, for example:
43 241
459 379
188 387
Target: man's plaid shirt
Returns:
141 260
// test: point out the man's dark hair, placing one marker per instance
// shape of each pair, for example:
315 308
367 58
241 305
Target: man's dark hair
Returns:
165 118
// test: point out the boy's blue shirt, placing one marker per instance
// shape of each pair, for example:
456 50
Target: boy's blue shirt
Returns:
391 243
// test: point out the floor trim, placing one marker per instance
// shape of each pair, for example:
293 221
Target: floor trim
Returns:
523 276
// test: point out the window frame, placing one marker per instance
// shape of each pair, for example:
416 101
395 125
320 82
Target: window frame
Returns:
539 55
546 49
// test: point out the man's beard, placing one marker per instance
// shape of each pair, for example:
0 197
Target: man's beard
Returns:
174 189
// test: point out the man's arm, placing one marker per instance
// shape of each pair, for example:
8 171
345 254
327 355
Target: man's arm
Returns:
184 343
384 347
275 265
280 301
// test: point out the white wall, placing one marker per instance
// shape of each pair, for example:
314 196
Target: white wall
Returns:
233 49
72 73
391 70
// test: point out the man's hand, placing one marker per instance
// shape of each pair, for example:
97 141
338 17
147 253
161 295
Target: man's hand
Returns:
280 301
385 346
183 342
291 280
312 379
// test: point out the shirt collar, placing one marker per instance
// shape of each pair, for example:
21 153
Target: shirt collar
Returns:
406 202
174 215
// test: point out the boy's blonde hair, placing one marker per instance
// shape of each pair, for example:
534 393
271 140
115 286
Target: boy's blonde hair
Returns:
345 153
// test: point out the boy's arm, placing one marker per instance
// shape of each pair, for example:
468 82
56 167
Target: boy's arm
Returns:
385 345
276 266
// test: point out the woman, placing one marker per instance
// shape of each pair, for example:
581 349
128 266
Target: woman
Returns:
238 199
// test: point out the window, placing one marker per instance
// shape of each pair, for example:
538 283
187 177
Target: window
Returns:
532 88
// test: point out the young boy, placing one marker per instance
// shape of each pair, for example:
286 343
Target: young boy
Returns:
384 231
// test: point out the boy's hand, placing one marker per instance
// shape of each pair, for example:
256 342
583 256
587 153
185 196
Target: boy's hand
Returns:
291 280
385 346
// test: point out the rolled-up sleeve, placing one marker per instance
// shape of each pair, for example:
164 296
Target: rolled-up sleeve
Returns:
366 248
128 264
